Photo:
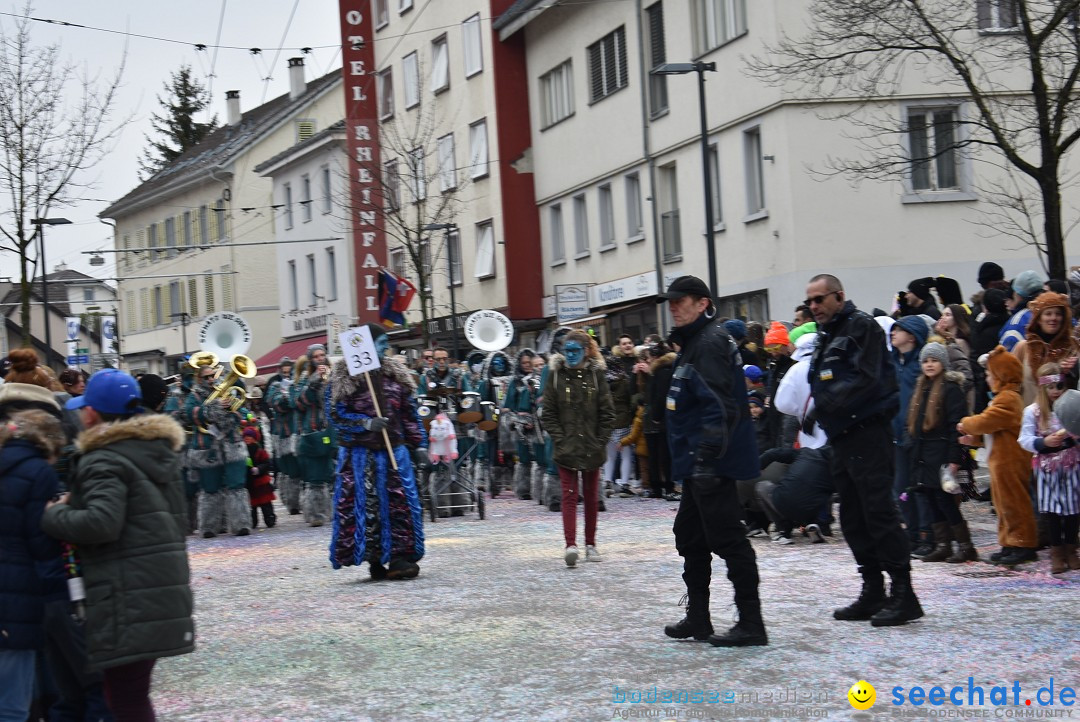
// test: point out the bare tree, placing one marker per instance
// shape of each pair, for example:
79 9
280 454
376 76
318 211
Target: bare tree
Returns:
48 137
1015 63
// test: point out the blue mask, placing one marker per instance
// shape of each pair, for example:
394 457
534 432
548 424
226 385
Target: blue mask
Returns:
382 345
499 365
574 353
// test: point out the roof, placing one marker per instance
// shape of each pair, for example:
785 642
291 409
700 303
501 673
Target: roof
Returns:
58 291
338 127
221 146
519 14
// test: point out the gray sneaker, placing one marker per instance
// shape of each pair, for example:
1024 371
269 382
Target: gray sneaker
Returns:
571 556
814 532
591 555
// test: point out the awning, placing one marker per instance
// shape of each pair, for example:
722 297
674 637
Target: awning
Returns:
609 311
294 349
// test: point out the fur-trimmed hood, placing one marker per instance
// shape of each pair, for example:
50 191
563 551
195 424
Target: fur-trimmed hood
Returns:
485 372
557 362
517 361
661 361
343 386
36 427
142 427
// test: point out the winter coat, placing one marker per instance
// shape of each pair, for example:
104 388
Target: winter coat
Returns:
621 389
708 419
930 450
852 376
206 449
29 559
307 399
128 517
578 413
805 487
793 395
656 390
908 371
636 437
349 405
259 485
1015 329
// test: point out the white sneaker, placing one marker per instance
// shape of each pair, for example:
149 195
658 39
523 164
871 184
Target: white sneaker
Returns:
781 538
591 555
571 556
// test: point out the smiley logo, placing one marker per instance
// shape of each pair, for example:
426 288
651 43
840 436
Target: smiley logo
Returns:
862 695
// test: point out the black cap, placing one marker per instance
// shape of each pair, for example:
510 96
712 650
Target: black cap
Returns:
685 286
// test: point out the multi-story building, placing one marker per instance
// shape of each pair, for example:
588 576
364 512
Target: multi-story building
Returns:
619 166
454 140
314 276
196 238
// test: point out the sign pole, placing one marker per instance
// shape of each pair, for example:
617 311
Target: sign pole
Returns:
378 412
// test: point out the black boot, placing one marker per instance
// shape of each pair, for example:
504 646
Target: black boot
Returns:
696 623
402 569
924 546
871 598
269 517
749 631
942 543
965 550
1018 555
903 606
254 518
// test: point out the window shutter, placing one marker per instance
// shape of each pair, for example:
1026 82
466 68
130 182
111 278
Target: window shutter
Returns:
620 53
166 305
982 11
657 52
144 302
213 225
193 296
596 72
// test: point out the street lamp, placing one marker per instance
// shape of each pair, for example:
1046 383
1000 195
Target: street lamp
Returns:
450 229
710 235
41 223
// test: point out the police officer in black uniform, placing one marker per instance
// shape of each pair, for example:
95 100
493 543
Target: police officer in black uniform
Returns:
853 382
712 444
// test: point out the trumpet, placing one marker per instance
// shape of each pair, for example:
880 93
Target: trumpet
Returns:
240 367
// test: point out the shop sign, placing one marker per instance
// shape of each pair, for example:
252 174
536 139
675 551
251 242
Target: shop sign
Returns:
623 290
571 302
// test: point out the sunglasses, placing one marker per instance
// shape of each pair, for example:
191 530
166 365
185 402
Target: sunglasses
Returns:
818 300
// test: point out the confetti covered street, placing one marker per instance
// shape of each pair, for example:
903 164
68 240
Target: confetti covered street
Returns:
497 627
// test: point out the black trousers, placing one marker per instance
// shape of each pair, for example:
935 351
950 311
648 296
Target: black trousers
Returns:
659 463
709 521
862 466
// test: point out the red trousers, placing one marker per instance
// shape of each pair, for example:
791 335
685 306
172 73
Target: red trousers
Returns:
591 492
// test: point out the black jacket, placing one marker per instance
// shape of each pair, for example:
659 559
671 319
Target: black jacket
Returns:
932 449
852 377
656 390
708 418
807 483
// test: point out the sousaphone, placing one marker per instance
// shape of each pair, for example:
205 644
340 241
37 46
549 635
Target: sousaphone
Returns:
489 330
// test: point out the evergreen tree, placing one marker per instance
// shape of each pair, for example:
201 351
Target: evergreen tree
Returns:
176 125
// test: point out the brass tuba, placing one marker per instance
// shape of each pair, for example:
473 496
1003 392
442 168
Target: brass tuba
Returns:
226 334
241 367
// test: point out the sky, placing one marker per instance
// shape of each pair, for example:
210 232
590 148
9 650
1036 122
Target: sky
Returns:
149 62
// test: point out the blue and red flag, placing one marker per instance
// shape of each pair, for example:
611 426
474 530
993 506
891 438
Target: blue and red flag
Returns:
395 295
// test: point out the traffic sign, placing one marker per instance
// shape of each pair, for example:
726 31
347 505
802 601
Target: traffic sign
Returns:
80 359
82 350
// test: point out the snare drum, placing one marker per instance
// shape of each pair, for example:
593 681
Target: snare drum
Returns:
469 411
489 420
427 409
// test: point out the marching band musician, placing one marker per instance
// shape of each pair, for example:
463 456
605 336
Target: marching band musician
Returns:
316 446
377 514
495 380
441 376
174 408
218 453
520 404
284 425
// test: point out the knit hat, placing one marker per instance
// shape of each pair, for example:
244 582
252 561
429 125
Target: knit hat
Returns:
315 347
921 287
154 390
752 372
916 327
1005 367
777 335
994 300
935 350
989 272
1067 409
755 399
18 396
799 331
284 360
736 328
253 434
1028 284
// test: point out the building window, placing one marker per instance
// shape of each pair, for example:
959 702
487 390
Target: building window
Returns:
998 15
447 164
203 229
393 185
159 307
88 294
287 188
453 247
581 226
208 292
186 220
472 40
382 13
558 245
176 306
485 250
152 236
294 288
478 149
440 65
755 177
410 68
327 199
748 307
313 280
634 216
331 267
714 180
607 217
144 307
228 303
384 83
670 228
658 100
607 65
404 6
932 146
556 94
170 237
717 22
193 296
425 263
131 315
219 220
305 198
397 261
419 175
